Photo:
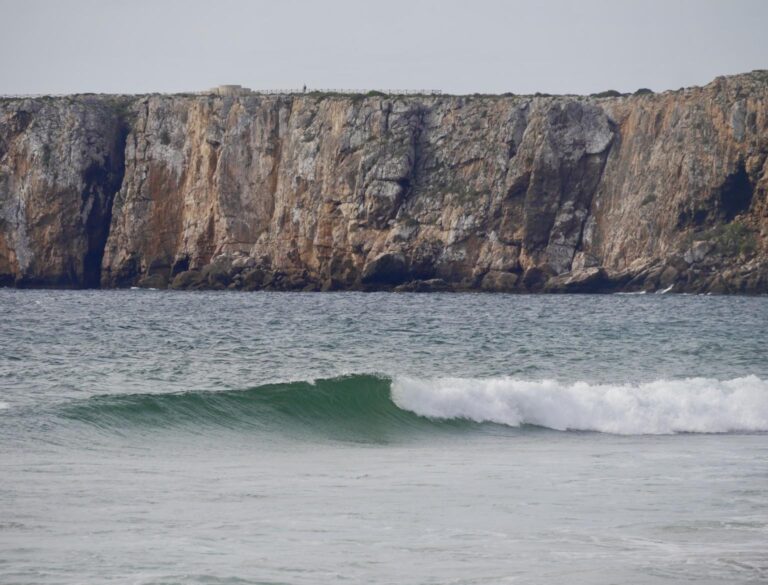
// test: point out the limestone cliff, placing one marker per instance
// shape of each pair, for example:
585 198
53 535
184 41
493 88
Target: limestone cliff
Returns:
516 193
61 163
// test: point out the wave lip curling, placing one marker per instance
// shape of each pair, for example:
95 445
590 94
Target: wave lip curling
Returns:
692 405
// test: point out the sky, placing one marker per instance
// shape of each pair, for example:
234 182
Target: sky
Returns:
483 46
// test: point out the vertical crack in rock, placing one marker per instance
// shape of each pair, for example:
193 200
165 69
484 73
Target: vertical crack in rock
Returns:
591 195
389 169
572 147
276 144
102 183
412 180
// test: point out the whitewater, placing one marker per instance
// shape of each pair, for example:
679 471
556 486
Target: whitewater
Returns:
693 405
163 437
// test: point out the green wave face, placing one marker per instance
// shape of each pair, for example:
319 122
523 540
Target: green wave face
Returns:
355 408
368 408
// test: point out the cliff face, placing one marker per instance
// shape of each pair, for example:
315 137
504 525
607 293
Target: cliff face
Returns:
419 193
61 163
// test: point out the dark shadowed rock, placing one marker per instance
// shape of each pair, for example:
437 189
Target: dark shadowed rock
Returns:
535 278
500 281
717 286
153 281
218 275
589 280
253 279
425 286
190 279
386 269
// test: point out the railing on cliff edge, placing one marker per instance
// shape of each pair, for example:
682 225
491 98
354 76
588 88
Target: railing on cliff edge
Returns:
347 91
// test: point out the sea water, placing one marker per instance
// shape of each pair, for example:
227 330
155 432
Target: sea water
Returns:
166 437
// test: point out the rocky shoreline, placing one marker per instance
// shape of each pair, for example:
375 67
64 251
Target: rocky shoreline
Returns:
524 194
242 273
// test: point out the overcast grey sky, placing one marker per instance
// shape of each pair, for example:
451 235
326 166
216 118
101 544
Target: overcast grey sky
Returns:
493 46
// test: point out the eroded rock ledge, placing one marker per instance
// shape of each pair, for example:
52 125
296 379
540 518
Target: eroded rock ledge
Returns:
417 193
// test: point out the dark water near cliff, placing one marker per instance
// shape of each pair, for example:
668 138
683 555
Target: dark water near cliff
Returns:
158 437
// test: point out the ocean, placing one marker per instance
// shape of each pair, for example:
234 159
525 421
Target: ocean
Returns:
156 437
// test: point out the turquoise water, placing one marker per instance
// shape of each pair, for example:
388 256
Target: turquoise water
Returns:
161 437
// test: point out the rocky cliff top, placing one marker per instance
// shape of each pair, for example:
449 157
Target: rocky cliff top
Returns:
743 81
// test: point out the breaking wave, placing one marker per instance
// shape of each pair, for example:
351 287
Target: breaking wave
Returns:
367 407
693 405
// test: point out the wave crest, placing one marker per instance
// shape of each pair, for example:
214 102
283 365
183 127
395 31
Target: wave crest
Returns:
693 405
373 408
355 408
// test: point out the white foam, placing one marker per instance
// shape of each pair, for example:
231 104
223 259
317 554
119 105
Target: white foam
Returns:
3 405
695 405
